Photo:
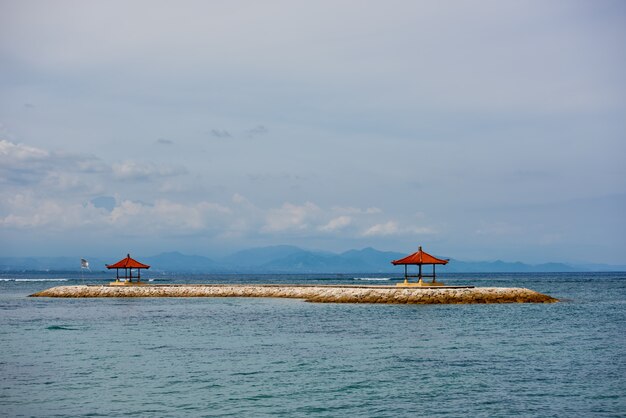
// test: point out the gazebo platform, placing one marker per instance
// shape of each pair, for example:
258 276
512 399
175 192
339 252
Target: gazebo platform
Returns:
422 284
126 283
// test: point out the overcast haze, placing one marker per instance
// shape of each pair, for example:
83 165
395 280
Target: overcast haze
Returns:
478 129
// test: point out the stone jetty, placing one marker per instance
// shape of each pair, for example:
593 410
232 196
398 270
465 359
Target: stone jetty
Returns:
310 293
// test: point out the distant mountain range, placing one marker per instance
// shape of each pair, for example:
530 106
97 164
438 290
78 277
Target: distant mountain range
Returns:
290 259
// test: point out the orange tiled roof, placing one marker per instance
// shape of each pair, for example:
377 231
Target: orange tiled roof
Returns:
128 263
420 257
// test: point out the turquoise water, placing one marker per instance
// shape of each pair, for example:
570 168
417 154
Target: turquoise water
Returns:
282 357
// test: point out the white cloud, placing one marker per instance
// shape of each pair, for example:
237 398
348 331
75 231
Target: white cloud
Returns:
11 153
127 209
18 156
392 228
27 211
357 211
26 166
387 228
236 219
290 217
167 216
90 164
422 230
40 171
67 182
240 199
336 224
133 170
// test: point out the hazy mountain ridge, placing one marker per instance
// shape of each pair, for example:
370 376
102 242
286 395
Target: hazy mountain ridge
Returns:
291 259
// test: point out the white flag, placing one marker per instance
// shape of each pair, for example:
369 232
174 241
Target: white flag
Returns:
84 263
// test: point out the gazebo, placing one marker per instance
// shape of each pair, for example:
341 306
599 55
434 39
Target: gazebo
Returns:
128 264
419 258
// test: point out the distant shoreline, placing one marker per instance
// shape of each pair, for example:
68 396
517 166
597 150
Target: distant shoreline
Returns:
294 260
311 293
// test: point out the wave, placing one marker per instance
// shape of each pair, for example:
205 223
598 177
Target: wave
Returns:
33 280
60 327
373 279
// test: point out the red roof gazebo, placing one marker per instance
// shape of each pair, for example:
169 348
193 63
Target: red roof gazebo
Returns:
128 264
419 258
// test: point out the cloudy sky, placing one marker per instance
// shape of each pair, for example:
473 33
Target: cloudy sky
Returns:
478 129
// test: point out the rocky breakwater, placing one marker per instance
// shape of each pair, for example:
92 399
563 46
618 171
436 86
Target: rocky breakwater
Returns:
322 294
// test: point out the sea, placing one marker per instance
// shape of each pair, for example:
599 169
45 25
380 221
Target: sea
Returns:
256 357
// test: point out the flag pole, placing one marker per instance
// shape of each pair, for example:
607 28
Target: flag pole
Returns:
84 264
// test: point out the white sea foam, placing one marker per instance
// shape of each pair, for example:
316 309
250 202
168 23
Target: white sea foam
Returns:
373 279
33 280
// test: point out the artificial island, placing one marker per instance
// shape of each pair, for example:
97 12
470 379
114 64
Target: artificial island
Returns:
406 292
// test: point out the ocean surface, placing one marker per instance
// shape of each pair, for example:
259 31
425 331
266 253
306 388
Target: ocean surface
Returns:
282 357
